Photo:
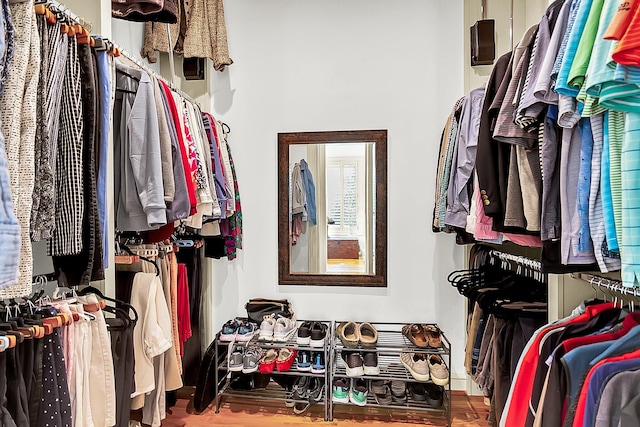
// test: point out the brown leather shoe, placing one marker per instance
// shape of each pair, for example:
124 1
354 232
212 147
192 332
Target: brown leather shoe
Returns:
434 336
415 334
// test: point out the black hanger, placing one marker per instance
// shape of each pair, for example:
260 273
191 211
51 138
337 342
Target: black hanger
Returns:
92 290
130 252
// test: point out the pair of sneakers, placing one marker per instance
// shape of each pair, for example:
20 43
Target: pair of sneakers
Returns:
423 367
313 334
305 392
355 391
359 364
276 328
238 330
244 359
311 361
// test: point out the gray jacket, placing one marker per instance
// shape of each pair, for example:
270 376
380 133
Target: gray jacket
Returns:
139 191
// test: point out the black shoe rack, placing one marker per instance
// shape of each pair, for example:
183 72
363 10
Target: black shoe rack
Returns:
391 344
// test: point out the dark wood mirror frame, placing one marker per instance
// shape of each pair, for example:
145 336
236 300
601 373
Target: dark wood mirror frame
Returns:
379 279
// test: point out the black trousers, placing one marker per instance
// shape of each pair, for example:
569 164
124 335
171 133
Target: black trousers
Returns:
123 365
192 357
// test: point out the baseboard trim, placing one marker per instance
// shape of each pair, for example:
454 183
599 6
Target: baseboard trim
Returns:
459 383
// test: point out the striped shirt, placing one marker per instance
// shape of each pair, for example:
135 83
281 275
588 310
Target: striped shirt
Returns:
605 187
584 48
596 214
562 83
616 135
630 247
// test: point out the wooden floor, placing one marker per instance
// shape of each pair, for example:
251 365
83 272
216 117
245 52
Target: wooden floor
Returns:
466 412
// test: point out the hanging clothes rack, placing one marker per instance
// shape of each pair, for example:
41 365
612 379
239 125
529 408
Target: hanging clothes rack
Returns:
519 260
610 284
62 9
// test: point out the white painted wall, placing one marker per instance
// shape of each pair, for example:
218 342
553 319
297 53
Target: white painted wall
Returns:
304 65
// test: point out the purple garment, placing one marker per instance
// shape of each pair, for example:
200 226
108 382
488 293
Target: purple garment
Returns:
218 174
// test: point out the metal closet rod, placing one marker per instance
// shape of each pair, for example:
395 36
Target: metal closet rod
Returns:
610 284
524 261
61 8
149 70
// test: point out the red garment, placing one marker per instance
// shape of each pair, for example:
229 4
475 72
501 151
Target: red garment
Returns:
515 414
183 154
630 321
184 309
582 399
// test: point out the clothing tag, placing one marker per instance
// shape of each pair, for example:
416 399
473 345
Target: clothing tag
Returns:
549 360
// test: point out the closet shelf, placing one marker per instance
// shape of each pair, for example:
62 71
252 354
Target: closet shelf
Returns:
273 392
410 405
391 339
390 369
293 371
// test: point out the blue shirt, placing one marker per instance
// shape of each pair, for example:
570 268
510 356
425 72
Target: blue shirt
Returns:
629 342
578 361
310 190
104 86
607 197
582 13
584 186
598 381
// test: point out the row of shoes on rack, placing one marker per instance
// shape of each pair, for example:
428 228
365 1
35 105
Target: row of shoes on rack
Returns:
385 392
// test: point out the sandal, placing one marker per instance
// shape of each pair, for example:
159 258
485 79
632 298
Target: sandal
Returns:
416 334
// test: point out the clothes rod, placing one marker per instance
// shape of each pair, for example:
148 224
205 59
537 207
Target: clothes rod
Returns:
603 282
524 261
148 70
63 9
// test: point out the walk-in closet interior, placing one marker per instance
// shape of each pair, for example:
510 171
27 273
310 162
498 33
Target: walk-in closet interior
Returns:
351 212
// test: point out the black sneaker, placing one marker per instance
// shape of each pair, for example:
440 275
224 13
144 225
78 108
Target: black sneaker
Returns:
304 334
318 334
303 360
434 395
316 390
301 395
317 362
417 392
301 389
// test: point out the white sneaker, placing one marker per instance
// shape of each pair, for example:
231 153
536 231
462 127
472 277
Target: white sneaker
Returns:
266 328
283 329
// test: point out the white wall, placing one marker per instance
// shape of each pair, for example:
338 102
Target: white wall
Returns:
304 65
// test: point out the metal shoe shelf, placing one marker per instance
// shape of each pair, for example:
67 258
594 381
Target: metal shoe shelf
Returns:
391 344
273 392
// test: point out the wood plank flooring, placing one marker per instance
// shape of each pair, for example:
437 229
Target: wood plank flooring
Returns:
466 412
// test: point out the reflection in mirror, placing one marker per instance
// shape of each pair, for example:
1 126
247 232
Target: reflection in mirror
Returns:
332 208
333 215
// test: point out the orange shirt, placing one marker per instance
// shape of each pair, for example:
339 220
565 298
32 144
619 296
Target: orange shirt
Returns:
621 19
627 52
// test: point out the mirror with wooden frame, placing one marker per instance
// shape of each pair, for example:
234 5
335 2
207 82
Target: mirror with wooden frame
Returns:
332 208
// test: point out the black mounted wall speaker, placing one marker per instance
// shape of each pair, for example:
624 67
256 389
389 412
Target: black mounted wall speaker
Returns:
483 43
